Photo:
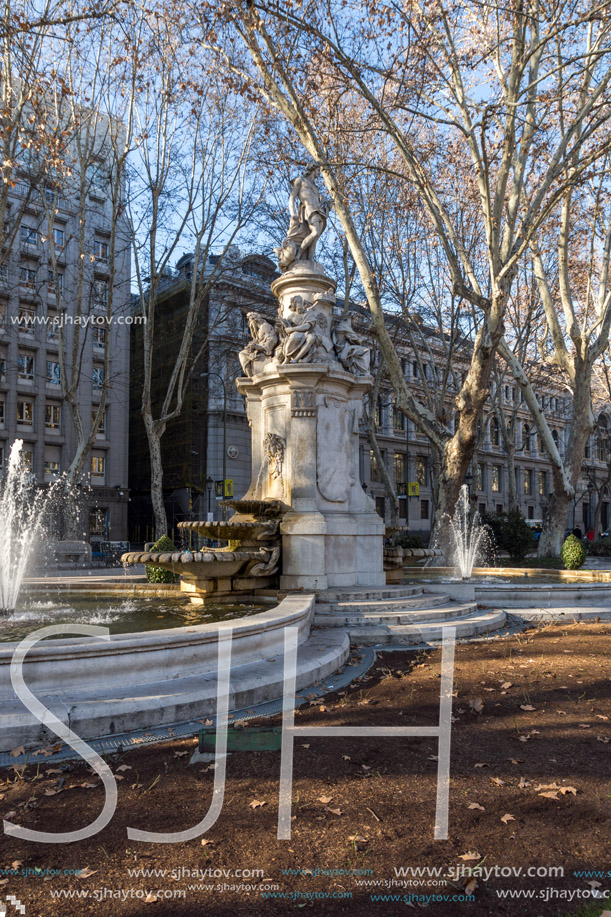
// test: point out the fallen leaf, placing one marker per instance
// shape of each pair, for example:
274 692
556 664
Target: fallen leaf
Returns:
89 786
333 811
52 792
477 705
305 745
255 804
507 685
470 855
16 864
476 805
177 754
150 898
568 789
549 795
52 770
599 716
204 842
584 725
3 881
527 707
497 781
605 739
507 818
15 752
123 767
85 873
516 760
481 765
524 783
346 758
470 885
325 799
593 883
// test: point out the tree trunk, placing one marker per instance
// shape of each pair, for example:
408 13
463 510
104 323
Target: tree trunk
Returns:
154 442
552 536
512 497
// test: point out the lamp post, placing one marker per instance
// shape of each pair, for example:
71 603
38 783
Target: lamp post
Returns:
222 381
209 483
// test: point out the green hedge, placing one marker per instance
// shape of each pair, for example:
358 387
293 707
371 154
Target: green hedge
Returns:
511 533
573 553
158 574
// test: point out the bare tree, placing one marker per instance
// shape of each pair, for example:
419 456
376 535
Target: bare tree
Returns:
467 84
191 188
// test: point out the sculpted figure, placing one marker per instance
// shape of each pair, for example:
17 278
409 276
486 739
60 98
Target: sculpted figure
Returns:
263 344
303 335
350 347
308 218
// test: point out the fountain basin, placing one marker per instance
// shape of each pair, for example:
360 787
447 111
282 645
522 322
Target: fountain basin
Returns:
522 587
135 681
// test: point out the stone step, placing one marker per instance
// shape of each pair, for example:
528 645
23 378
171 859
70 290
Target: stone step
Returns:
367 593
449 611
429 631
382 606
115 709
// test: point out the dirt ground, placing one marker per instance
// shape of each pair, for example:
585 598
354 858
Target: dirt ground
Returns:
530 752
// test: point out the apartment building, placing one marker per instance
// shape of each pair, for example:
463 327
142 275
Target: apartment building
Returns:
56 271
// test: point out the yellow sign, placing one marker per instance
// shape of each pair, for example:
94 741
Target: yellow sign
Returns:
223 491
413 489
229 487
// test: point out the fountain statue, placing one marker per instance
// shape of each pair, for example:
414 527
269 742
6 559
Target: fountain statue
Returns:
306 370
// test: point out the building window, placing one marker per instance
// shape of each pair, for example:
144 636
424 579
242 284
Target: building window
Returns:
2 413
27 460
398 420
374 471
4 271
499 509
58 238
51 467
97 377
27 277
403 508
26 320
496 479
97 466
100 250
531 512
55 282
98 523
102 425
100 293
29 236
52 416
424 509
97 182
25 366
527 484
481 510
52 327
53 373
525 438
99 337
25 412
542 483
3 370
479 476
399 468
381 507
495 436
421 471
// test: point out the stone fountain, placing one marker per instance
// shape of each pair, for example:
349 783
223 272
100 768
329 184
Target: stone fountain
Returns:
305 515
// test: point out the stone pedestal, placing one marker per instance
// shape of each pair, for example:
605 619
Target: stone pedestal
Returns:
305 435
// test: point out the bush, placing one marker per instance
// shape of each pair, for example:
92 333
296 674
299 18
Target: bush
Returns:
511 533
573 553
407 541
599 548
158 574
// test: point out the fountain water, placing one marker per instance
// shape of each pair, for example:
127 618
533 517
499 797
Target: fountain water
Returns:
22 509
469 538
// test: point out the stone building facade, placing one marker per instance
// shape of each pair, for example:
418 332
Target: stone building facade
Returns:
31 405
193 450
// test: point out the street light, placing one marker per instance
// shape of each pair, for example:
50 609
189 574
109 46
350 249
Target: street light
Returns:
222 381
209 483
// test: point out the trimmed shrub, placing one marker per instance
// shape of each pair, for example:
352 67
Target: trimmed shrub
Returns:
599 548
573 553
158 574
